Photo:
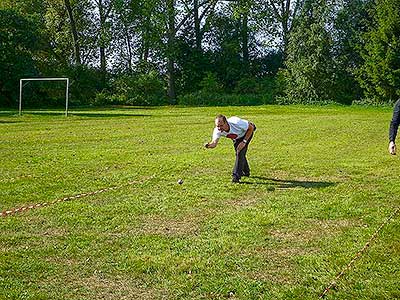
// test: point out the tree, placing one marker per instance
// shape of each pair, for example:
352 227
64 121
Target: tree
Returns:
69 26
277 17
379 74
20 41
104 8
310 75
171 32
242 10
74 30
351 23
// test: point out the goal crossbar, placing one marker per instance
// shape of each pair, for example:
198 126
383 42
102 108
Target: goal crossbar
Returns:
21 81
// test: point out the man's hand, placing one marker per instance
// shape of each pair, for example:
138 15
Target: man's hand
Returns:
240 147
392 148
213 144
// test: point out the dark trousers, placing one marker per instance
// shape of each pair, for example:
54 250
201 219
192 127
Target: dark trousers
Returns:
241 164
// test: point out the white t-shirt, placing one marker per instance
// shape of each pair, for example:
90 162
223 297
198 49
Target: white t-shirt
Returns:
237 129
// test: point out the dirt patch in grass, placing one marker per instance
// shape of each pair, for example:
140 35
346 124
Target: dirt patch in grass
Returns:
288 252
277 266
27 240
293 242
274 275
84 280
63 261
155 224
101 287
244 202
334 225
54 232
312 230
276 263
279 263
295 235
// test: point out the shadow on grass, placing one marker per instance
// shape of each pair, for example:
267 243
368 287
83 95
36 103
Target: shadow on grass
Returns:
8 113
8 122
288 184
100 115
85 114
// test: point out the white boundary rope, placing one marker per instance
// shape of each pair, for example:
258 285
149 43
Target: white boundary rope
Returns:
33 206
358 254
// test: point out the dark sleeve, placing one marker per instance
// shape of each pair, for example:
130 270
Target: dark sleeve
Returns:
394 124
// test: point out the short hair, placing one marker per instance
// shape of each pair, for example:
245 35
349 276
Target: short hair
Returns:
220 116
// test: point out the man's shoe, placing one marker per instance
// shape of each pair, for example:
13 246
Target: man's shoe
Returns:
235 179
246 174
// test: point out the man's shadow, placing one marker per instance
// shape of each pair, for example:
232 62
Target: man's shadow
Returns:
287 184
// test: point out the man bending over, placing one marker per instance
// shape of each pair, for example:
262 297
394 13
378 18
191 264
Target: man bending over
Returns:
241 132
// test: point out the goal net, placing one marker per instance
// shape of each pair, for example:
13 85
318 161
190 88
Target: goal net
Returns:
21 86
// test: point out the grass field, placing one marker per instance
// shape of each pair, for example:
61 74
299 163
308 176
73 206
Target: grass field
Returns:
322 183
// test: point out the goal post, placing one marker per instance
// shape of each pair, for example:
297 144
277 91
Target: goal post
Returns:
21 82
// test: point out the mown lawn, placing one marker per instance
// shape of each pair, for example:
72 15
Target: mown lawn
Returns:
322 183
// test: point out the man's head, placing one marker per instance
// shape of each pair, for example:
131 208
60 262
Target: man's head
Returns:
221 123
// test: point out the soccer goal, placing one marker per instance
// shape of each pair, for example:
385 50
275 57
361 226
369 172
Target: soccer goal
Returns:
21 85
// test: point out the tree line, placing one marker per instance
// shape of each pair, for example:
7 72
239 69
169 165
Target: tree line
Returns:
201 52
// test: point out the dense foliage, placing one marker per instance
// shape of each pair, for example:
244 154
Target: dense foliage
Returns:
131 52
310 73
379 73
18 47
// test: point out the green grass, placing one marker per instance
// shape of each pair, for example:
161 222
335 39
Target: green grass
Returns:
322 183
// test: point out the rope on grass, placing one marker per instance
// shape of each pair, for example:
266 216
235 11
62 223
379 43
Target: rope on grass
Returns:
358 254
33 206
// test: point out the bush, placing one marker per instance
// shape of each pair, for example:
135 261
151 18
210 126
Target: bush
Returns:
142 89
85 84
105 98
247 86
202 98
248 91
210 84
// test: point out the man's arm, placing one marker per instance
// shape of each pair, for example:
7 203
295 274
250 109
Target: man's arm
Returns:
394 125
248 134
212 144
